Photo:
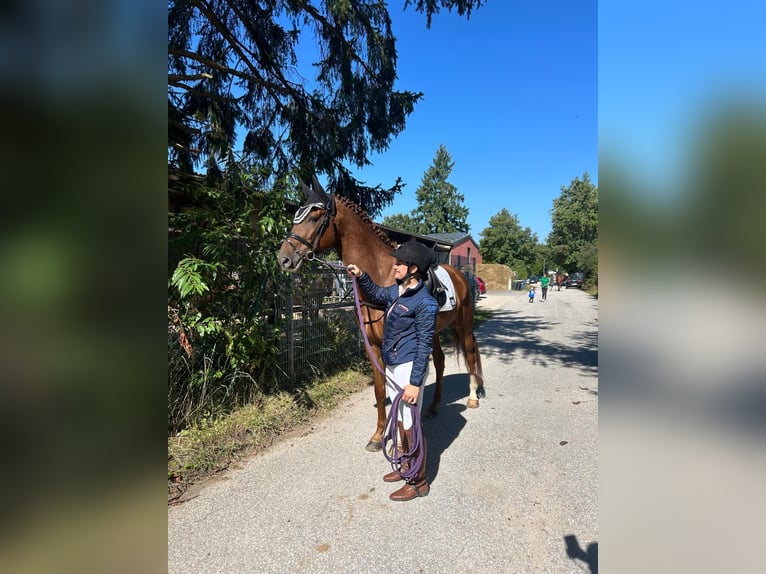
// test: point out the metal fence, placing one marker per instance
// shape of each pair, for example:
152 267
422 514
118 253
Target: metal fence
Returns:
464 264
318 329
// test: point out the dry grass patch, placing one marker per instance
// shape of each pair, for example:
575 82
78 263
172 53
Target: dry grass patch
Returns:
198 453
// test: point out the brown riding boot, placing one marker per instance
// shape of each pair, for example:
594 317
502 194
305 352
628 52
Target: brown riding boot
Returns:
417 487
395 475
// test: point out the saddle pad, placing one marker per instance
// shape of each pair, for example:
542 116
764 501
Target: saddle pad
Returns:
446 280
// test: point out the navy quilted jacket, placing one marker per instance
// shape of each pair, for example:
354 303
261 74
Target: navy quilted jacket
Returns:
409 326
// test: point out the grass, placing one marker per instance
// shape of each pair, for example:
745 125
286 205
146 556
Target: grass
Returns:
199 453
480 315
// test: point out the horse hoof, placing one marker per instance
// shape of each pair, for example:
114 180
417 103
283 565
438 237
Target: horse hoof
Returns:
473 403
373 446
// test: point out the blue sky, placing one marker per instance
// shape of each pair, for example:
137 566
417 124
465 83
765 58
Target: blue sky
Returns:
512 95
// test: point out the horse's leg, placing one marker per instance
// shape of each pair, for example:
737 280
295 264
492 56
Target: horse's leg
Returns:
477 372
379 380
473 380
438 355
472 358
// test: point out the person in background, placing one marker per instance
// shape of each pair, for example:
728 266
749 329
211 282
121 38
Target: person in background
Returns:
408 335
532 294
544 280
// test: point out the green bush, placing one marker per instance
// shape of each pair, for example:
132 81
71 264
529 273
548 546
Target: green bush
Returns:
228 327
223 280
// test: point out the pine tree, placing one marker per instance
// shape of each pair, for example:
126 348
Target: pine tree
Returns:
440 206
238 92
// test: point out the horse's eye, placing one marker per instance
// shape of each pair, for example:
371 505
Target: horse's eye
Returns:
313 219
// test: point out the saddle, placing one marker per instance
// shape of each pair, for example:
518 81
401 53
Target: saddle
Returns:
436 287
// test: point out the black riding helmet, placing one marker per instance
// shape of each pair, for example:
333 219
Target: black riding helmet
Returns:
414 253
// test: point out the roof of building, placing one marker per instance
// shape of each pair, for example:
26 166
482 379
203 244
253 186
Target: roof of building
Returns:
437 241
400 236
451 238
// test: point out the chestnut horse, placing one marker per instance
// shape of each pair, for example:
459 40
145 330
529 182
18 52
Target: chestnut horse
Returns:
327 221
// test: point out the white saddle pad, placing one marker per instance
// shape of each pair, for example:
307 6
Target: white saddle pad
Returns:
446 280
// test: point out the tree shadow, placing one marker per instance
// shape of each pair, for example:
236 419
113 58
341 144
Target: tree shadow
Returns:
511 335
589 556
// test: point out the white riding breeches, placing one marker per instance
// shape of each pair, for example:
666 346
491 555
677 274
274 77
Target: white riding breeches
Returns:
401 376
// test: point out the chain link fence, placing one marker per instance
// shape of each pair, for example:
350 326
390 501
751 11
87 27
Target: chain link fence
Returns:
318 329
316 319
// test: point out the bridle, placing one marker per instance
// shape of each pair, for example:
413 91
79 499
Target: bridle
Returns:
302 213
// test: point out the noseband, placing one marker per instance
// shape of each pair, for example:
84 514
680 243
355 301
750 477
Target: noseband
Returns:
300 215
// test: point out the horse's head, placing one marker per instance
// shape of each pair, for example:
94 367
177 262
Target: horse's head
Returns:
309 225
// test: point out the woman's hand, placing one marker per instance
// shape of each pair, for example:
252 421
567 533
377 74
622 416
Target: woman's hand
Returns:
410 394
354 270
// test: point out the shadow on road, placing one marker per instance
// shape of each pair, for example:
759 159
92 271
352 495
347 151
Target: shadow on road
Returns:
510 335
442 430
589 556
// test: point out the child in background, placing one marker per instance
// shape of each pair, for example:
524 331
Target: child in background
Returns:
532 294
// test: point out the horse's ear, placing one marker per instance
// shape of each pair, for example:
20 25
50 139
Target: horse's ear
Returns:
318 189
306 190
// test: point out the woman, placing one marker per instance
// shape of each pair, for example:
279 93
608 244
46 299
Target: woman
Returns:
407 342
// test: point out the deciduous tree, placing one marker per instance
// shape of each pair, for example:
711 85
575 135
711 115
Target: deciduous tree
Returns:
506 242
403 222
573 240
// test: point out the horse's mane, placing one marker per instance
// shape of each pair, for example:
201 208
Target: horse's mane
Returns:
366 219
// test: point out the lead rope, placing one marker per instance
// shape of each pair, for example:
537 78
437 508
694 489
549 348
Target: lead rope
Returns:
411 459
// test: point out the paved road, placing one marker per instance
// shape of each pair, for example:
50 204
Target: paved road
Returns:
512 481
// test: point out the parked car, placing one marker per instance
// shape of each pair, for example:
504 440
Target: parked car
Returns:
574 280
480 285
533 279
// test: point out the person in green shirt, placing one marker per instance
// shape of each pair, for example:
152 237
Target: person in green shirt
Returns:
544 280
